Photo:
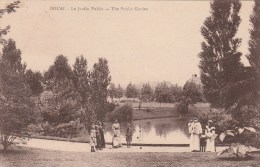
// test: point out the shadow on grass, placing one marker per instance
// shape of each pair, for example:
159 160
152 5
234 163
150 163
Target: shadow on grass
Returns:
13 151
248 158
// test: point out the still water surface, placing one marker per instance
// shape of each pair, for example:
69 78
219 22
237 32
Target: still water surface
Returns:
154 131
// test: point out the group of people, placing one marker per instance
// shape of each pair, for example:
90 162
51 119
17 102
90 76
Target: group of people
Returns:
201 139
116 139
97 139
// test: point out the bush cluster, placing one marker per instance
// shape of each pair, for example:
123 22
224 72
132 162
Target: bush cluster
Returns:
121 113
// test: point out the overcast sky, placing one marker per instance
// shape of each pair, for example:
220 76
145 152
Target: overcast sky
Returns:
161 43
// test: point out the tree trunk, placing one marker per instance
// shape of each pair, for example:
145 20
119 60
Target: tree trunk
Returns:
5 146
5 142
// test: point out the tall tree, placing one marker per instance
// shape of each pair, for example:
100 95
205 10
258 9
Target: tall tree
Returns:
35 80
254 43
176 93
146 92
193 91
81 79
12 57
131 91
119 92
62 106
16 105
246 110
220 60
112 91
99 81
162 93
81 83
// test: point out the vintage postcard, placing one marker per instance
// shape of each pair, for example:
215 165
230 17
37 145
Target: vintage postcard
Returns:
129 83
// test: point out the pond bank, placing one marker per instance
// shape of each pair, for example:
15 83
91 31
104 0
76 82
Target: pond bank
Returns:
84 147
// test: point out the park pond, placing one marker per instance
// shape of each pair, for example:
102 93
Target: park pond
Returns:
171 130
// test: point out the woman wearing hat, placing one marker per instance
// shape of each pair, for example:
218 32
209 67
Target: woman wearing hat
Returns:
196 131
116 140
210 133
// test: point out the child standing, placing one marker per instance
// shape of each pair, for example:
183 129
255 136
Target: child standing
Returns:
203 139
128 135
92 138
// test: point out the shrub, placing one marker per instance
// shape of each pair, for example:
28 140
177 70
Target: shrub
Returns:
64 130
122 113
148 110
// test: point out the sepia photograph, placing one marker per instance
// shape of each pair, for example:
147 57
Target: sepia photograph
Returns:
118 83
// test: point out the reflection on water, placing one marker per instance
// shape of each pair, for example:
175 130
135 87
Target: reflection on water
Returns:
155 131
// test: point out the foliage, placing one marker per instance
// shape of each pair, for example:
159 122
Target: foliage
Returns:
240 136
112 90
58 105
122 113
146 92
81 82
115 92
162 93
131 91
17 106
176 93
240 151
183 106
35 80
254 48
81 79
193 91
220 61
12 57
246 108
222 120
99 81
9 8
119 92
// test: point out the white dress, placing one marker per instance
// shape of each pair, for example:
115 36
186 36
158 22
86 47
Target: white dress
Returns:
196 130
210 132
116 140
190 127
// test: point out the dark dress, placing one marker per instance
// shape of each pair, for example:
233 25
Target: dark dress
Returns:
98 144
128 134
102 138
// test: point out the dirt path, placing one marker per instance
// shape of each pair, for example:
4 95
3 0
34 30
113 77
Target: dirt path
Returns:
84 147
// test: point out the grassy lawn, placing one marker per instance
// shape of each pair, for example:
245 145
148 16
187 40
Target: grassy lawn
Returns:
166 111
37 157
151 105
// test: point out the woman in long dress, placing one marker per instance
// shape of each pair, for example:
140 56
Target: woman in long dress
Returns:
116 140
210 133
101 131
197 131
92 138
190 127
98 137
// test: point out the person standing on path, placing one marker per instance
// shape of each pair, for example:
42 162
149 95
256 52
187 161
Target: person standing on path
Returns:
128 135
210 133
92 138
116 140
98 144
102 137
190 128
197 131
